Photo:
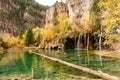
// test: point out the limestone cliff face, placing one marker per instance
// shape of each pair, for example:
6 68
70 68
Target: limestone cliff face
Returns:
16 15
86 8
78 10
53 11
50 15
75 9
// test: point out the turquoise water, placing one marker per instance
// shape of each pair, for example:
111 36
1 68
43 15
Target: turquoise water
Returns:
107 65
19 62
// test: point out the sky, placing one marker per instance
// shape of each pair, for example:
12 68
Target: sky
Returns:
48 2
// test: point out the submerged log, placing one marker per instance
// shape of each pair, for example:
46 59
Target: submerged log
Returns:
84 69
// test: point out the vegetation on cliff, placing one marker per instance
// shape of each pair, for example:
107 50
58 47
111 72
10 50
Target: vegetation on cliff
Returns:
19 15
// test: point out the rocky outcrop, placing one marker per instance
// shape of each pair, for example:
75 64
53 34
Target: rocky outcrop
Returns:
86 8
53 11
20 14
75 9
78 10
50 15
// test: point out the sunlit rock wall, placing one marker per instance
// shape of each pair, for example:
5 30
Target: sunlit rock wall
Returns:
78 10
53 11
50 15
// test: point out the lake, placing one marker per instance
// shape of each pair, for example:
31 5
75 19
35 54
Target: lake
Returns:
16 63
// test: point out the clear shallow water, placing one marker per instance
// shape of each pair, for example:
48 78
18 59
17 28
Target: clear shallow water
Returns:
18 62
107 65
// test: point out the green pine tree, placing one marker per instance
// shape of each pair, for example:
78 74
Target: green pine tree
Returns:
29 37
20 34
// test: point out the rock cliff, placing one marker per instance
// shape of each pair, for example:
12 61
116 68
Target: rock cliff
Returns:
77 10
16 15
53 11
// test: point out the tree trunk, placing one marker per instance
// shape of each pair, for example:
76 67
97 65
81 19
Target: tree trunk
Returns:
88 47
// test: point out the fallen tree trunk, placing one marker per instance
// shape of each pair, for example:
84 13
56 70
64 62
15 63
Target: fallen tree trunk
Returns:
84 69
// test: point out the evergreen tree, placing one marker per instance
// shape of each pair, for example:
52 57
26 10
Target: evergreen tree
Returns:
29 37
0 41
20 34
